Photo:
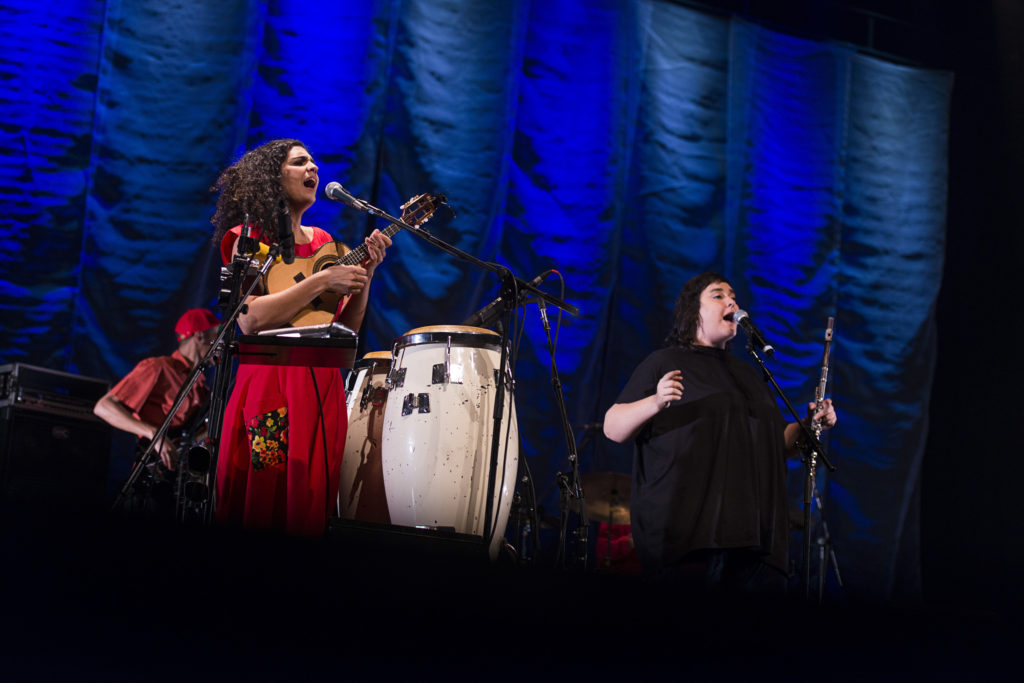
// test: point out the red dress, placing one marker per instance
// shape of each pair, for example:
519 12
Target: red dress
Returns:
282 440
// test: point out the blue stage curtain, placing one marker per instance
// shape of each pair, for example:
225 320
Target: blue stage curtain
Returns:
47 94
629 145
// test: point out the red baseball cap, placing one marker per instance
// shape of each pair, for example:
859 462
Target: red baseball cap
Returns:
194 320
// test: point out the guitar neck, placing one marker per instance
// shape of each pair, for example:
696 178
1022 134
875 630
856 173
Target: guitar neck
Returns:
416 211
359 254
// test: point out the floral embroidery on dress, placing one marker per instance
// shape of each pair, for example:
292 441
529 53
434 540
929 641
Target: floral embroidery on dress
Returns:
268 438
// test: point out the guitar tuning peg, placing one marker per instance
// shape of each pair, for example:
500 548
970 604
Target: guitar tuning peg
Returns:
412 201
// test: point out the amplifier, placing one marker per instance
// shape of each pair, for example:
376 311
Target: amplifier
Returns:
54 453
27 387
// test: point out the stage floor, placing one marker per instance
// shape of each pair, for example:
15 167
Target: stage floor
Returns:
113 598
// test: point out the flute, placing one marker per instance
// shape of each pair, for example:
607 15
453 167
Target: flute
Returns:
819 392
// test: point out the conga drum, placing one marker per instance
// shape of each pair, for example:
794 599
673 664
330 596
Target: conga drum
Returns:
361 493
438 426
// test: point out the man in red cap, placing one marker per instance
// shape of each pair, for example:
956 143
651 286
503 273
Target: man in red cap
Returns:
139 403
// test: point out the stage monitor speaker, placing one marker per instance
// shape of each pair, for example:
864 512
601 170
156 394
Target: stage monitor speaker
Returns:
54 453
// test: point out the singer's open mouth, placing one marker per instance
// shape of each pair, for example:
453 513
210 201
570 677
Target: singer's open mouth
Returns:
310 182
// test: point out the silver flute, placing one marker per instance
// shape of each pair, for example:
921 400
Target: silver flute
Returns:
819 392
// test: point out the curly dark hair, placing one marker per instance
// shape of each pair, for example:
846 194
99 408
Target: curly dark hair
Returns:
252 185
686 316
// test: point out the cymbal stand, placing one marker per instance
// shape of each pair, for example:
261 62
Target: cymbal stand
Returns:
588 430
513 286
612 504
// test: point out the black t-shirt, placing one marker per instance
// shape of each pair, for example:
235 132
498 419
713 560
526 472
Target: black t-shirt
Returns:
709 471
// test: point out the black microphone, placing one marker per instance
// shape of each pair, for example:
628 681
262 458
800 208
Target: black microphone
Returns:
247 244
544 314
339 194
741 318
285 235
482 317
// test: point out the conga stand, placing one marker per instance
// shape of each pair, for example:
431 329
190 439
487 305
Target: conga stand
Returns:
514 287
218 394
530 530
812 449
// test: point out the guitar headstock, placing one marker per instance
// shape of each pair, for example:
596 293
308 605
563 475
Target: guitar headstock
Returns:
420 208
416 211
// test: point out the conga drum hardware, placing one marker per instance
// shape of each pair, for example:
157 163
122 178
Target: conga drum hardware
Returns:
396 376
418 402
371 394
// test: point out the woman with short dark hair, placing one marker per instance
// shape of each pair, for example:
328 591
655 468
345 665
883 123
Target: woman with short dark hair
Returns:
708 499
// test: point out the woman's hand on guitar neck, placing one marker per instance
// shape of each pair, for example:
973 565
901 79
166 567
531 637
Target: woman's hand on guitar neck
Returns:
376 244
355 308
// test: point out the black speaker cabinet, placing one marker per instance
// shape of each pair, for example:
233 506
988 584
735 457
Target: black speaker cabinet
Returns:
54 454
52 463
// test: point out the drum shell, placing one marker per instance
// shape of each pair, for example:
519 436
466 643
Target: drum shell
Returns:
436 463
361 491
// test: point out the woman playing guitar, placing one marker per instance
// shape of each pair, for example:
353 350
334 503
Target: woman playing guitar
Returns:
284 427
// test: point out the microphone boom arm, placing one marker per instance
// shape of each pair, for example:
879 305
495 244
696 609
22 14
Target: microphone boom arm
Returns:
458 253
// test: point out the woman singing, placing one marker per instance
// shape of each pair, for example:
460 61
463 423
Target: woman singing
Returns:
284 426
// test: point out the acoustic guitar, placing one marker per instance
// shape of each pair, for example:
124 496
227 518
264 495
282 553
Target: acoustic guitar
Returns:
323 309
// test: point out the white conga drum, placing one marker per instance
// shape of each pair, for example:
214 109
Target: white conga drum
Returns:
361 493
438 424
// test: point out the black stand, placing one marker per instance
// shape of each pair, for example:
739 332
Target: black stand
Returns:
527 520
812 449
826 553
572 486
221 346
514 287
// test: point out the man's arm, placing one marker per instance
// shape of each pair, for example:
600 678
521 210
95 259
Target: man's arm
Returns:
111 410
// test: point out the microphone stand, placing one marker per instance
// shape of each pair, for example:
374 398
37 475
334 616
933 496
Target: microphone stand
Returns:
514 285
573 487
812 449
218 395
